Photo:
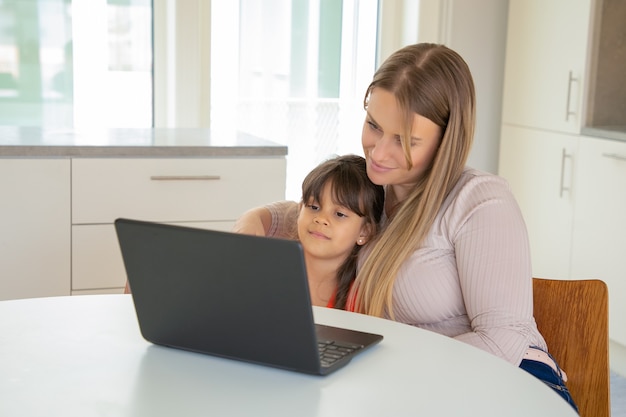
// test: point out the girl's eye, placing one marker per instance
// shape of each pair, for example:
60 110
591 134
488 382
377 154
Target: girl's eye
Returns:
340 214
312 207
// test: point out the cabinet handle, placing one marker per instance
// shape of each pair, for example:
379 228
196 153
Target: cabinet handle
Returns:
563 188
185 177
614 156
568 112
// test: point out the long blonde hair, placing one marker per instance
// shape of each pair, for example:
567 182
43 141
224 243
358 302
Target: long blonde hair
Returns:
434 82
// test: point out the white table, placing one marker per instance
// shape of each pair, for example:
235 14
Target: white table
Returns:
84 356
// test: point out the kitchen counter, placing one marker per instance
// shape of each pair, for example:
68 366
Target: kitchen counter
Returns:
62 191
132 142
606 132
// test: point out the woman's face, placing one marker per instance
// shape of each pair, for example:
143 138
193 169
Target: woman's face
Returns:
382 144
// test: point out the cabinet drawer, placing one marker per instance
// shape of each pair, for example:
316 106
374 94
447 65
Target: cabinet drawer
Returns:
172 189
97 260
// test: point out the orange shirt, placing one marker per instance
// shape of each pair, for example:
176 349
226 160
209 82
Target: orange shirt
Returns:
349 303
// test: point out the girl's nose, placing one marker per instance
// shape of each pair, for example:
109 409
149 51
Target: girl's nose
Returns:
320 220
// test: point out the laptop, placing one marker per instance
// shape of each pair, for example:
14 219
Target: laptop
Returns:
230 295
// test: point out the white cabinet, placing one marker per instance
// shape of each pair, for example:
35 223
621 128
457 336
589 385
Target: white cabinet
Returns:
599 245
34 228
571 189
546 57
539 168
197 192
56 220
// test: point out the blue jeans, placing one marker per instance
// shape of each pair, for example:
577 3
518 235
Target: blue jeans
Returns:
551 378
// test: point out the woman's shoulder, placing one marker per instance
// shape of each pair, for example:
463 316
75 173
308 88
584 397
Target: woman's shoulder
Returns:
472 178
473 173
476 188
479 196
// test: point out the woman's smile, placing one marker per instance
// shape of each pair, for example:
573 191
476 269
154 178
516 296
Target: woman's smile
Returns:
377 167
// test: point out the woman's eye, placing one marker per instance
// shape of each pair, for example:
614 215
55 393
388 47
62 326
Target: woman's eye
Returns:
373 125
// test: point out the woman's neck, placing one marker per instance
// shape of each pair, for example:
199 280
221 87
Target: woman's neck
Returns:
394 195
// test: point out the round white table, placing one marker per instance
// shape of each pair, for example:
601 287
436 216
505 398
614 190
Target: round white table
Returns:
84 356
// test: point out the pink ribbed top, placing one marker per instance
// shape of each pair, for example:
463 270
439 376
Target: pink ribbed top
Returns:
472 277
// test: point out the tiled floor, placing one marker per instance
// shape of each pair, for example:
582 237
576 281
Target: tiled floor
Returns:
618 395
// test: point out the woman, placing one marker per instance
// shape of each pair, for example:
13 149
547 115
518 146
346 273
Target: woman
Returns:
453 255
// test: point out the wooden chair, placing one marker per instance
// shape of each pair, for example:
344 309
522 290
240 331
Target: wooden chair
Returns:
572 316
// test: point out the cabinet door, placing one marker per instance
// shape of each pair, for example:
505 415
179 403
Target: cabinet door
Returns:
539 167
35 225
545 63
599 244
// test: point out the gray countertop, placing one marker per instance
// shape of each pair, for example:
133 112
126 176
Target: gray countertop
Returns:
606 132
157 142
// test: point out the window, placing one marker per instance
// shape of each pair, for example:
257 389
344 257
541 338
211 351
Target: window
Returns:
76 63
290 71
293 72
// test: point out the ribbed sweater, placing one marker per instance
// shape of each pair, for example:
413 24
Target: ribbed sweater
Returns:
471 279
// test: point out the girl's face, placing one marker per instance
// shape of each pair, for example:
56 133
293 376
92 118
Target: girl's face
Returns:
382 144
328 231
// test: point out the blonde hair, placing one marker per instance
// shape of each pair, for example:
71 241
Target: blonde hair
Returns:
434 82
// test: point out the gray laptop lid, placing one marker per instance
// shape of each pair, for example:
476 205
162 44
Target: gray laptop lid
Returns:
225 294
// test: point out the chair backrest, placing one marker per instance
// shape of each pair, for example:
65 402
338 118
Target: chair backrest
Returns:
572 316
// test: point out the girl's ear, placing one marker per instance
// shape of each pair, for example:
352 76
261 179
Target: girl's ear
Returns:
364 234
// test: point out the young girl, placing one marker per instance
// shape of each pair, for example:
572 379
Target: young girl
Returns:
338 214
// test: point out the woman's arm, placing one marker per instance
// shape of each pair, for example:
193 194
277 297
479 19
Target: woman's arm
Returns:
276 219
256 221
494 266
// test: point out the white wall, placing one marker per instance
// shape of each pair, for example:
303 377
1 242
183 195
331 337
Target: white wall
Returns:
476 29
479 35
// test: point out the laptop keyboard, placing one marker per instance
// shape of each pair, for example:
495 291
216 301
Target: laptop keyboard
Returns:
331 351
